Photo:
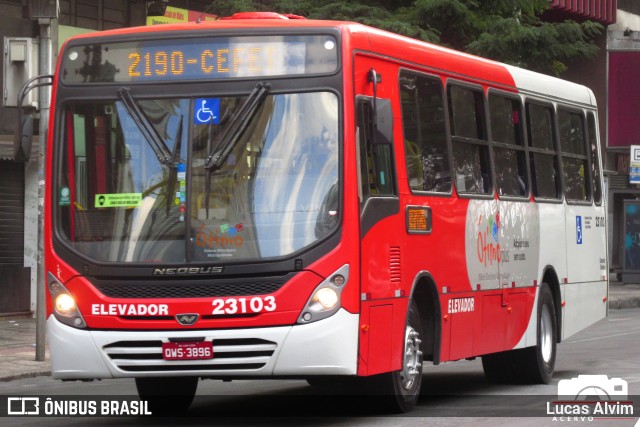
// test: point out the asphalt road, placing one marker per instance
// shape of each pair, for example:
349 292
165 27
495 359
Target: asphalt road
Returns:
453 393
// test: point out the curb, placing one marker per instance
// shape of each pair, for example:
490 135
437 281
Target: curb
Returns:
25 375
633 302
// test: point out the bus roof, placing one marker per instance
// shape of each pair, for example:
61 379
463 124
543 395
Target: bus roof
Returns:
452 63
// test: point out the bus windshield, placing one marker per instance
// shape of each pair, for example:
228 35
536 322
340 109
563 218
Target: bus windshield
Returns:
134 183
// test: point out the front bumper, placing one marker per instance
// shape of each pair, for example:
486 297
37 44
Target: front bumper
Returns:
326 347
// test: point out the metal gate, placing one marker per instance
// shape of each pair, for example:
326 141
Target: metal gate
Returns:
14 277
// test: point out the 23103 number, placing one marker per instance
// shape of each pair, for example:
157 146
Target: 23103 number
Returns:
243 305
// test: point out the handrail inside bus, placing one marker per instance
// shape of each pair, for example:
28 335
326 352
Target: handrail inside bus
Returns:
374 78
175 155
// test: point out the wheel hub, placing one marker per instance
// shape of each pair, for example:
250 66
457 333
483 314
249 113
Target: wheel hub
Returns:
546 335
412 363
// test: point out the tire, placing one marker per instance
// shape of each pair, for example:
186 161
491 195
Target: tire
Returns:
170 395
536 364
400 390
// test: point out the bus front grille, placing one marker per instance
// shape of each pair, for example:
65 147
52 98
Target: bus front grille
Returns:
192 288
242 354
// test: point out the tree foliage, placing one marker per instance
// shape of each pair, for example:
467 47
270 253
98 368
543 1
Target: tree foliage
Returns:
510 31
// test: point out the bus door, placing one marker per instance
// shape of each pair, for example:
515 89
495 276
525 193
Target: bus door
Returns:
586 289
514 228
519 236
381 225
475 307
492 222
499 259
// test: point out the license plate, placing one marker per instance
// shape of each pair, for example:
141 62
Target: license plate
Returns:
186 350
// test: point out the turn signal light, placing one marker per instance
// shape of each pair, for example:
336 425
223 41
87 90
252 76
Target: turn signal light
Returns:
419 219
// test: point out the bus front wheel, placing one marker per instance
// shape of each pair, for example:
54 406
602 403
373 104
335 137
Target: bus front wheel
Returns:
401 389
167 395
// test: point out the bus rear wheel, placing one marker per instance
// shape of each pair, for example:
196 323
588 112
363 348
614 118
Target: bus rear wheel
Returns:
167 395
536 364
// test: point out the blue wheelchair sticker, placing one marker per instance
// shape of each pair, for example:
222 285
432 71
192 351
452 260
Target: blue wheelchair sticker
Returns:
578 230
207 111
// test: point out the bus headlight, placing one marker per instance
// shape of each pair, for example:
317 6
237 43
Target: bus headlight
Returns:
64 305
325 299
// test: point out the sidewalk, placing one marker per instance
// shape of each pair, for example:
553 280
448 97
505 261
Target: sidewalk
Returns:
623 296
18 350
18 337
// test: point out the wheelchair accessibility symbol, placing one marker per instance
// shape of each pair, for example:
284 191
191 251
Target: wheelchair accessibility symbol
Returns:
207 111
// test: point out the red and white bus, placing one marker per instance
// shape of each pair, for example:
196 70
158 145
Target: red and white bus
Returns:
291 198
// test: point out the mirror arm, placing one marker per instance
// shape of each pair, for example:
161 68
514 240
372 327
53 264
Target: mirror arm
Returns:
375 78
27 87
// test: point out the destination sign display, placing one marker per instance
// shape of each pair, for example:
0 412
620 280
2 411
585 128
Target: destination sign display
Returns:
200 59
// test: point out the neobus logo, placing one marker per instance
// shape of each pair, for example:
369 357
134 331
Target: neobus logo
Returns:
186 270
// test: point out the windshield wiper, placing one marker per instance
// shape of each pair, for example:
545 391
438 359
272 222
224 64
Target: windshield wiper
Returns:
237 126
149 132
169 159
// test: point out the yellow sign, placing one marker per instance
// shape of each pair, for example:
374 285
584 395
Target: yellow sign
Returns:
175 14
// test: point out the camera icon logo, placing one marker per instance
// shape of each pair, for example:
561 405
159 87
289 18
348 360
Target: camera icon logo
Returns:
593 387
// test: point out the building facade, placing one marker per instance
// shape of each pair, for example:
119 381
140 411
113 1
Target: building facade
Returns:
623 133
19 181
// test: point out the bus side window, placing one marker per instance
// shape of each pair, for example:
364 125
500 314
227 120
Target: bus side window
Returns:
543 153
595 166
470 146
575 163
425 135
505 117
376 160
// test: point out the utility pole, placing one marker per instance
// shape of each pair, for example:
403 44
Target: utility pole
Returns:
44 68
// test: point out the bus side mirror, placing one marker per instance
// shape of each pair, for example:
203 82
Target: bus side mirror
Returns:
22 139
383 126
382 114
